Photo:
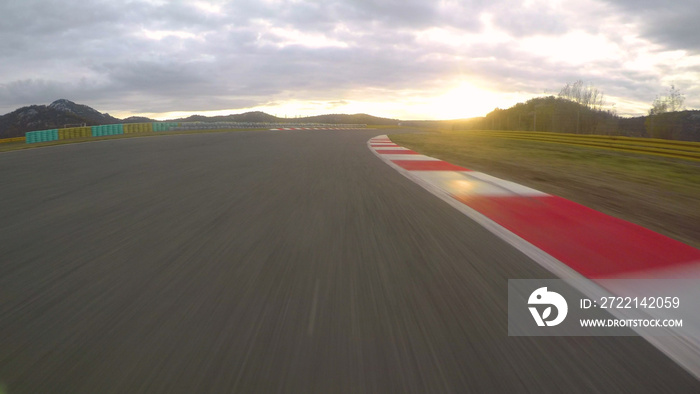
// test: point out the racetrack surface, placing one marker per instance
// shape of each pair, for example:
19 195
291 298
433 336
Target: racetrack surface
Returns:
268 261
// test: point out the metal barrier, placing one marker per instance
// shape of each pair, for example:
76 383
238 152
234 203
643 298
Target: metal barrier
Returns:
15 139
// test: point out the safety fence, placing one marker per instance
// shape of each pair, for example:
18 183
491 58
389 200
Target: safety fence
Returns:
69 133
33 137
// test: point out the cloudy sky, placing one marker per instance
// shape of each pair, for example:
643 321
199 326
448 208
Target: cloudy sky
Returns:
403 59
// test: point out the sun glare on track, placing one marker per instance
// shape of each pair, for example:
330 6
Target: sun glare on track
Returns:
461 186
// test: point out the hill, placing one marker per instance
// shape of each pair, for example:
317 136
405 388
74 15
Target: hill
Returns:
138 119
560 115
60 113
344 119
255 116
258 116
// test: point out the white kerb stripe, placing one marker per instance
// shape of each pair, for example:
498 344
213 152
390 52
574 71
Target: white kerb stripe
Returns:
390 148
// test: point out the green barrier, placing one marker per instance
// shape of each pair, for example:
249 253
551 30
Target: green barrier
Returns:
163 126
33 137
107 130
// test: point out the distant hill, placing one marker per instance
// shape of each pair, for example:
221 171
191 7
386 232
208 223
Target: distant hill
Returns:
255 116
344 119
258 116
60 113
65 113
138 119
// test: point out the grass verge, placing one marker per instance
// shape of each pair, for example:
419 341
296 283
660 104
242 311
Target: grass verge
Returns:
659 193
382 127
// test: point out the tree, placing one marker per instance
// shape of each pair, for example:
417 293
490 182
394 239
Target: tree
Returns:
584 94
672 102
583 117
662 122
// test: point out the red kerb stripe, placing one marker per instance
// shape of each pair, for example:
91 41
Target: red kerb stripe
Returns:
593 243
428 165
396 152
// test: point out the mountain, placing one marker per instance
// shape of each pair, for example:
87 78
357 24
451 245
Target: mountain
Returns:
60 113
83 111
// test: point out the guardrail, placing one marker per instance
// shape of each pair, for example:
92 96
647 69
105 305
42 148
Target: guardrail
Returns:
8 140
677 149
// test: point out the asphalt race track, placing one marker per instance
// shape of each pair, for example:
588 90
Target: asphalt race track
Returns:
268 261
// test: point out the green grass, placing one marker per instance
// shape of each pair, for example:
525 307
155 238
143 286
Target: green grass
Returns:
383 126
657 192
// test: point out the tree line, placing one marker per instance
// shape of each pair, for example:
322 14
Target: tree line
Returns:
581 108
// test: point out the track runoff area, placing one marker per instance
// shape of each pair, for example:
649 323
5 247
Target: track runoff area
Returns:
646 282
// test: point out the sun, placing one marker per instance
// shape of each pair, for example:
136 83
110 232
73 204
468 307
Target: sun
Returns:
463 101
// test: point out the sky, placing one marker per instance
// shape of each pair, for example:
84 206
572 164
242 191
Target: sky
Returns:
402 59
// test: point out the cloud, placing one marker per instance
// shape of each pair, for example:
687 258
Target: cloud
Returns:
672 24
162 56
